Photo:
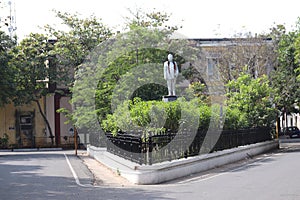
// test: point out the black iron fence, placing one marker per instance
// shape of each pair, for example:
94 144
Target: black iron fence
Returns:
157 148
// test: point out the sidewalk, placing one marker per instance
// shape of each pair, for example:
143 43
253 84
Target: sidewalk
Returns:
103 176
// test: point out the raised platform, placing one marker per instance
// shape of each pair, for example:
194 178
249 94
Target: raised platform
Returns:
169 98
166 171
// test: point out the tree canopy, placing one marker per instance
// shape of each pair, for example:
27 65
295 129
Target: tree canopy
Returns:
253 98
125 66
7 73
73 45
286 69
132 56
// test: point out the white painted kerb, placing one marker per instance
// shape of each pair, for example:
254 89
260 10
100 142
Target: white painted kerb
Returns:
158 173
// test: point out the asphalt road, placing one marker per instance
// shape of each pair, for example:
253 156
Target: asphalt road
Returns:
60 175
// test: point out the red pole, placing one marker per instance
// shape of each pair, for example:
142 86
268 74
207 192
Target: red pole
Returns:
75 140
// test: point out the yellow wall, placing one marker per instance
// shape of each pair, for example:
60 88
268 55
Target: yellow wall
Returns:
8 121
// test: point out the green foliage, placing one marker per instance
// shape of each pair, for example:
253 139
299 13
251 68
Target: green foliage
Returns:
151 20
74 45
29 61
235 119
139 116
197 90
64 56
284 77
297 62
252 98
31 71
124 68
7 73
154 117
127 66
142 45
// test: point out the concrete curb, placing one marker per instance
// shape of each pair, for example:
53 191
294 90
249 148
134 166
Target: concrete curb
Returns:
31 149
166 171
289 140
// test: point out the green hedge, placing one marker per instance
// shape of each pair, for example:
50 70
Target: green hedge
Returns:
139 116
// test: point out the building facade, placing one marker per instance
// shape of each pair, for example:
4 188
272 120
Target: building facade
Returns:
23 125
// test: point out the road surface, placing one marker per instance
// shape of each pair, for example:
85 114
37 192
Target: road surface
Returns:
61 175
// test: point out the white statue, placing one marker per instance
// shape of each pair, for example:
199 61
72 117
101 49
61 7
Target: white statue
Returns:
170 74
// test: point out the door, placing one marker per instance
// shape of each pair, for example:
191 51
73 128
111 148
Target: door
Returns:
25 124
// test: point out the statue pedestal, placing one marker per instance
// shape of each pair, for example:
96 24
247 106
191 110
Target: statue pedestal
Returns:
169 98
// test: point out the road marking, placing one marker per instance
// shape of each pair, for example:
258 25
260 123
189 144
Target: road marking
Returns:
78 181
74 173
200 179
196 179
225 171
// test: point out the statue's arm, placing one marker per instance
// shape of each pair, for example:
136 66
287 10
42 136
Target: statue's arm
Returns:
177 70
165 71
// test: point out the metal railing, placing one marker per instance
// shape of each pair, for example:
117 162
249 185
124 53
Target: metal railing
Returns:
154 148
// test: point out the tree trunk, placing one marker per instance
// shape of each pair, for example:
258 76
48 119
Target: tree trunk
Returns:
46 120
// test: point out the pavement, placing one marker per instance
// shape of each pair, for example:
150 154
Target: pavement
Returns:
49 175
103 176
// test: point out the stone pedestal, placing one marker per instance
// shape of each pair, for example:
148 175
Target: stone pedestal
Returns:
169 98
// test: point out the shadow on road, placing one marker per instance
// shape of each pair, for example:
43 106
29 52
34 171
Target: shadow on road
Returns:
41 176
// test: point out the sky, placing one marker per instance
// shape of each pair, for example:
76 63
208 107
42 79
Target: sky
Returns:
200 19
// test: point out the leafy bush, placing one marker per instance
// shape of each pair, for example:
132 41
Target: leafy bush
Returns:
156 116
249 101
248 105
235 119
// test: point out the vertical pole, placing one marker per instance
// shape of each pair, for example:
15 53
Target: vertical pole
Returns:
75 140
286 118
57 98
277 126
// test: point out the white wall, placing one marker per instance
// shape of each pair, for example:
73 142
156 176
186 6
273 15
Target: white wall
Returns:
292 120
64 128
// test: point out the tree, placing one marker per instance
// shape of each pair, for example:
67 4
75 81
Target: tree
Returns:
73 45
284 77
121 64
29 59
71 48
7 73
68 50
148 41
253 98
297 61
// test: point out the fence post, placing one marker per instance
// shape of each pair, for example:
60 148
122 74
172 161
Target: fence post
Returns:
75 140
169 146
150 143
140 151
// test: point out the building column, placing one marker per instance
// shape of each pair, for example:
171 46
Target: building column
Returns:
57 118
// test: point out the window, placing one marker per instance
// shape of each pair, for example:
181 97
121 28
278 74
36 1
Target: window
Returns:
212 68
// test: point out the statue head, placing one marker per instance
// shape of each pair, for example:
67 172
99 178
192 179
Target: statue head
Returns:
170 57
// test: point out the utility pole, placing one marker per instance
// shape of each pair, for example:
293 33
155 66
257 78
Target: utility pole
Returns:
8 17
75 140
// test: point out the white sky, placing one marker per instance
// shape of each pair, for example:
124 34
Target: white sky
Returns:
201 19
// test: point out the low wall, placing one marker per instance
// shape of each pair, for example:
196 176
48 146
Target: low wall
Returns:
165 171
